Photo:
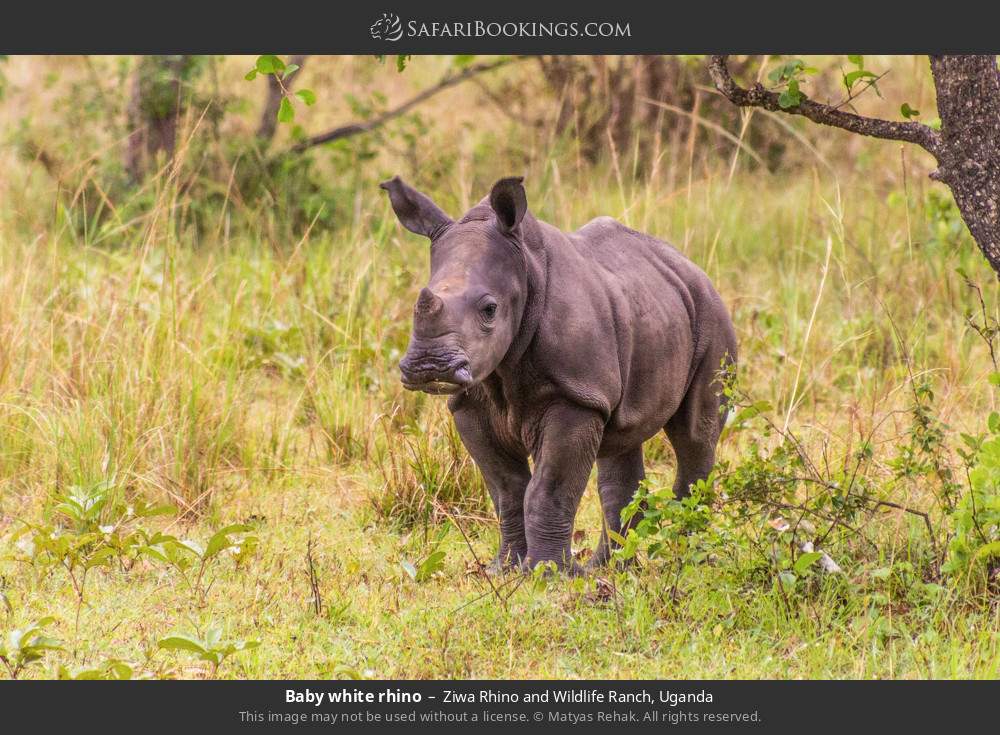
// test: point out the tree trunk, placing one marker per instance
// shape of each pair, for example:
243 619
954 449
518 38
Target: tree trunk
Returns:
605 101
154 109
968 102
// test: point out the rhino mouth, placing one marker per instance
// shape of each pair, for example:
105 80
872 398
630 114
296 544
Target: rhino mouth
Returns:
435 387
437 381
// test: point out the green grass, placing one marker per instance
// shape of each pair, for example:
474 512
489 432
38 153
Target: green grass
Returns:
377 622
247 380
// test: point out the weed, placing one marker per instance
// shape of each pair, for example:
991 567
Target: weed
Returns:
427 474
24 646
211 647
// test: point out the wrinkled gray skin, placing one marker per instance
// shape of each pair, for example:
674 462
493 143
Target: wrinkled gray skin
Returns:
568 348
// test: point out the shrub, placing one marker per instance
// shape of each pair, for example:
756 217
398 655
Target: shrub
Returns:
974 550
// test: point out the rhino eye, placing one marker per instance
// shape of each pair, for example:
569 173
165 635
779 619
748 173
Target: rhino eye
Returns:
488 311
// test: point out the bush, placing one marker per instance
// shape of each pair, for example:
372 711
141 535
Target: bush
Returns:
974 551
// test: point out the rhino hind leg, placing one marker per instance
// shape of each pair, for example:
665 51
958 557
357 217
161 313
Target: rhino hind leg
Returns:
694 429
618 479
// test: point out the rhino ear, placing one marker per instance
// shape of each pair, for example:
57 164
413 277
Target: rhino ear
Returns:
509 202
416 211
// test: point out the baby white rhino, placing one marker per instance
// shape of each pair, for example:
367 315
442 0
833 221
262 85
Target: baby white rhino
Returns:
568 348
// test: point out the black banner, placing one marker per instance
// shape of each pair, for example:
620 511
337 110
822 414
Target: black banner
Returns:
513 27
503 706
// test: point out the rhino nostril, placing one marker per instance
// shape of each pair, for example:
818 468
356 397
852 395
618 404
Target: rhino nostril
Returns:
462 374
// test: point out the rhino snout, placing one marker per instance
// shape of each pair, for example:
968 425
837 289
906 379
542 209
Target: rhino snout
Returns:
435 372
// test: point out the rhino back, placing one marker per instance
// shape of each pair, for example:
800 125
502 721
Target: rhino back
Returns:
626 322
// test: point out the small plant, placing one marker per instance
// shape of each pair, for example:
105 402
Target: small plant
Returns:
793 562
191 558
431 563
974 550
900 580
669 527
275 346
679 532
211 648
25 646
924 456
91 529
112 669
344 671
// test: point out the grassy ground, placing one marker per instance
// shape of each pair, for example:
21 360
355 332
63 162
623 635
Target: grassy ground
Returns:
248 381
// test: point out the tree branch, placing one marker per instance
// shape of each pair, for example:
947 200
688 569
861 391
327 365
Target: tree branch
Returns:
758 96
450 79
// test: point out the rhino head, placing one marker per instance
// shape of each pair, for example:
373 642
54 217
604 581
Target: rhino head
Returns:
468 314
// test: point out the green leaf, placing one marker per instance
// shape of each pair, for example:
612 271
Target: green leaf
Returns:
791 97
433 563
112 669
616 537
786 71
857 59
181 643
463 60
908 112
852 77
994 422
805 561
307 96
347 671
155 510
220 539
79 674
987 551
269 64
101 557
193 546
118 670
401 60
154 552
970 441
212 636
251 75
44 643
289 70
286 113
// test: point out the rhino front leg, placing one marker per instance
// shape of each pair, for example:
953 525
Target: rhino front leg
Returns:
565 450
506 475
618 479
